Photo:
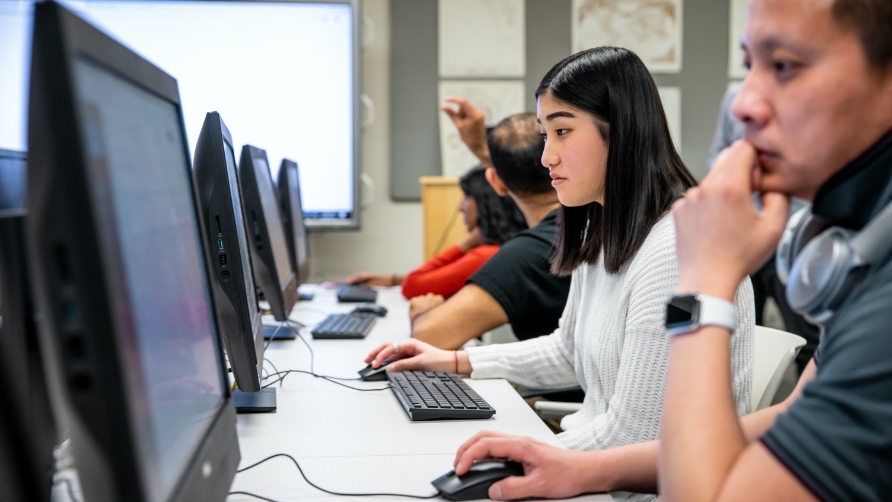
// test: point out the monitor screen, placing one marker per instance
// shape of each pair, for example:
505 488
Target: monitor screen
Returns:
274 229
158 286
283 59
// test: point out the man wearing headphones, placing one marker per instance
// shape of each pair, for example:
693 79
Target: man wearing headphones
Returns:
817 108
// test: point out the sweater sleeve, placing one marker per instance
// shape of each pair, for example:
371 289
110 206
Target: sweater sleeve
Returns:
447 272
543 362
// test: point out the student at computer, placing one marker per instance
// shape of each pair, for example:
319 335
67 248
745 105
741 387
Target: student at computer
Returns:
516 285
616 172
490 219
817 107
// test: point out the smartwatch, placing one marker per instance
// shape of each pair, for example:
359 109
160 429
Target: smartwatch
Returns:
688 313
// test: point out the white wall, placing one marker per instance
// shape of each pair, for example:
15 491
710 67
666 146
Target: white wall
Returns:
390 240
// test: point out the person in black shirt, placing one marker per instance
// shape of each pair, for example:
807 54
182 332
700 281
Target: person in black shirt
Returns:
516 285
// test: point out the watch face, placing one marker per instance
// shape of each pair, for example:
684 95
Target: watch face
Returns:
680 311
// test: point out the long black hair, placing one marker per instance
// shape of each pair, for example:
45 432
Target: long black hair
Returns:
498 217
644 174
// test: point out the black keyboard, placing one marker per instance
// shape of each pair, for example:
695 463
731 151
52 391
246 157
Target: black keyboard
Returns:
428 395
351 326
353 294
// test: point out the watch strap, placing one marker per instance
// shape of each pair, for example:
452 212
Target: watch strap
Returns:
716 311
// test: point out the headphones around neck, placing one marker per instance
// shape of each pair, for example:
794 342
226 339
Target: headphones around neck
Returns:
821 264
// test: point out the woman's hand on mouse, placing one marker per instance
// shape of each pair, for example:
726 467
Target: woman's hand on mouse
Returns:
416 355
549 472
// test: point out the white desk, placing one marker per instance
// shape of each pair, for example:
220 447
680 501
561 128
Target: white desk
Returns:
359 442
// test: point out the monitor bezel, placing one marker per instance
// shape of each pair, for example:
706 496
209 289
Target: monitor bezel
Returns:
281 297
243 341
69 275
32 432
288 172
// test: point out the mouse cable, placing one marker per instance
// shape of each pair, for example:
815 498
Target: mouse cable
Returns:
324 377
273 336
297 334
301 471
271 364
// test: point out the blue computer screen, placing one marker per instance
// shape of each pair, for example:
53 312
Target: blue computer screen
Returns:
149 235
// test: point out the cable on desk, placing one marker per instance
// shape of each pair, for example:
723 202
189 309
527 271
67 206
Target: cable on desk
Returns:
324 377
271 364
271 337
312 355
301 471
67 483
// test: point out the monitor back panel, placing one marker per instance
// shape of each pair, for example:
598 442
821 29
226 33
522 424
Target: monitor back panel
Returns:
293 219
232 281
272 268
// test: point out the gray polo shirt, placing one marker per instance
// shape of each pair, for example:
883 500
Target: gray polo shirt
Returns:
837 437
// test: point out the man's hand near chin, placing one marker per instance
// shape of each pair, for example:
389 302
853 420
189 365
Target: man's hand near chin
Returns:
721 236
705 453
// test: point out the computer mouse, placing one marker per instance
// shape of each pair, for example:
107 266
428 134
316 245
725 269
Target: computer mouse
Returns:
475 483
369 374
372 308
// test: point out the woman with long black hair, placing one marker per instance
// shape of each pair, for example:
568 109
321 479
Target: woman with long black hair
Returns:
617 174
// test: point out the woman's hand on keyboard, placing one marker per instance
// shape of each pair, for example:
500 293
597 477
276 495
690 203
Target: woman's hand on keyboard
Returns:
416 355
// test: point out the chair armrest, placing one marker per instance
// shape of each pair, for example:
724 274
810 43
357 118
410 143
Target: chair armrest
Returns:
555 410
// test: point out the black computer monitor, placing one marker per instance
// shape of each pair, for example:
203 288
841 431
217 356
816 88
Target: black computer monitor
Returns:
232 282
120 271
272 268
293 220
27 423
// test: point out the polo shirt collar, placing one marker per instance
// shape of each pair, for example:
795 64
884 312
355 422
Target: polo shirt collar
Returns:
854 195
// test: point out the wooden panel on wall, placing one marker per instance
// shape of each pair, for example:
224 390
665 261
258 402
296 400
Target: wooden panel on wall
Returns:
443 224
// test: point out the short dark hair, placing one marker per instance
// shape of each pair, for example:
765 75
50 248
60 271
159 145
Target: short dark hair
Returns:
644 174
515 148
872 19
498 217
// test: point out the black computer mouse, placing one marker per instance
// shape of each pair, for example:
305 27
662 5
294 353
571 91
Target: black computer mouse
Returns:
369 374
373 308
475 483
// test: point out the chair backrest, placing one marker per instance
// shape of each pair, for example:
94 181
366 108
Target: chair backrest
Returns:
774 351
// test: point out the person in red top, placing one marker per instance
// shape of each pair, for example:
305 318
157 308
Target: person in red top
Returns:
490 219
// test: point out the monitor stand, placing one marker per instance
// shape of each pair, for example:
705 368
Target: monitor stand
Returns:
284 333
255 402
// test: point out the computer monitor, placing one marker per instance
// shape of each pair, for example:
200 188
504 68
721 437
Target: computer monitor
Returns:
294 47
272 268
293 220
27 423
120 272
232 283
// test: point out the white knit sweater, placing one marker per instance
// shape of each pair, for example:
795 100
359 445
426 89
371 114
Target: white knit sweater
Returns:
611 341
